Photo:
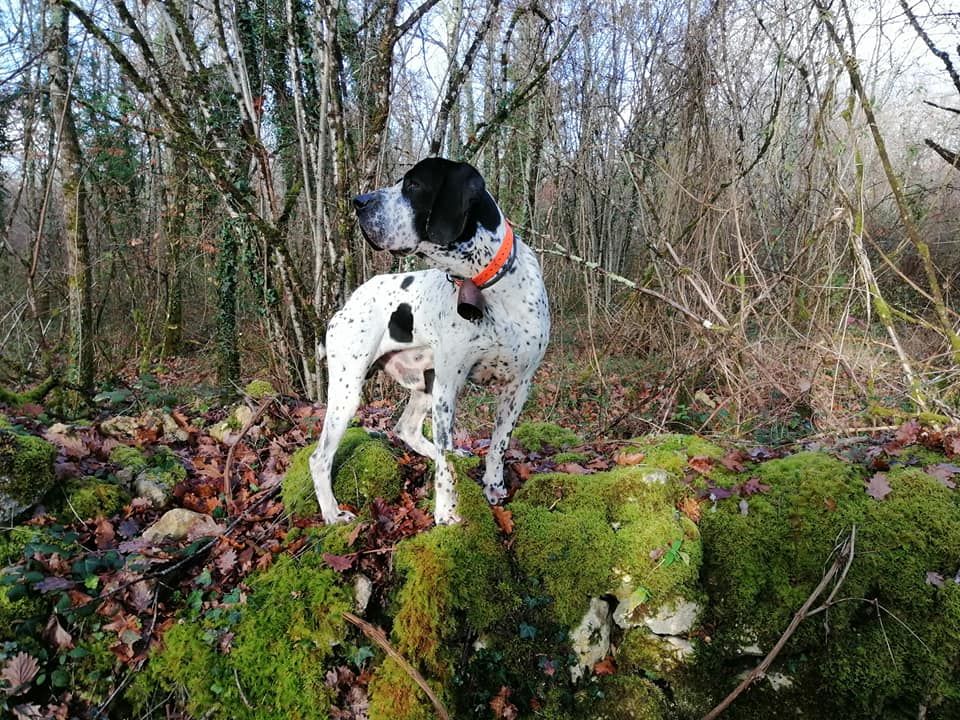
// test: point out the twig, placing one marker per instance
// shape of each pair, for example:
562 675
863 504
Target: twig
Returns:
227 487
380 638
840 565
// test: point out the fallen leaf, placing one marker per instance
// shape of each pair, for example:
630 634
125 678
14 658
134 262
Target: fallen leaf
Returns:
340 563
227 561
734 460
67 440
944 472
502 708
523 470
104 535
752 487
691 508
701 464
572 468
607 666
19 671
54 634
626 458
744 507
504 518
878 487
934 578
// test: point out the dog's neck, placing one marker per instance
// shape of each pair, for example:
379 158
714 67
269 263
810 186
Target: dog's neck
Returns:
468 258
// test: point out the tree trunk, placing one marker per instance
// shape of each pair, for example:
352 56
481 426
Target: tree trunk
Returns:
69 164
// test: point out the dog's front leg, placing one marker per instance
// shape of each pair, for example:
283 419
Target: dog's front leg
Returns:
445 391
510 399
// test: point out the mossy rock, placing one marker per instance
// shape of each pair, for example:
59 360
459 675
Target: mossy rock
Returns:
26 470
128 457
364 468
762 565
535 436
259 389
672 453
591 535
283 641
89 498
628 697
455 584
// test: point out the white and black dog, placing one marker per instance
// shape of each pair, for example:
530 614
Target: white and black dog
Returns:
431 330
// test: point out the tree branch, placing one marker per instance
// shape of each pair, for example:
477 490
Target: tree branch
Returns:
841 565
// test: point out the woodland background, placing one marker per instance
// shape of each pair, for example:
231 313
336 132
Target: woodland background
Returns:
755 204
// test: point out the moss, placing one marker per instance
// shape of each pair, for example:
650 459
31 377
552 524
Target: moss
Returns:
128 457
259 389
93 668
455 584
284 639
570 456
589 535
895 643
89 498
26 467
628 698
535 436
672 453
364 468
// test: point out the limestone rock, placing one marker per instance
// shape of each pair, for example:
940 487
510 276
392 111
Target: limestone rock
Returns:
147 487
182 524
590 640
675 618
120 426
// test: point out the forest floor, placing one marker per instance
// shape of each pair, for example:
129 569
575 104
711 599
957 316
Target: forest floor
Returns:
84 567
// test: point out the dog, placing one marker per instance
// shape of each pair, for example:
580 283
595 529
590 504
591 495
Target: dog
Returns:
480 313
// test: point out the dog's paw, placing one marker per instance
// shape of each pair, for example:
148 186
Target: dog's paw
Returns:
494 493
446 518
339 517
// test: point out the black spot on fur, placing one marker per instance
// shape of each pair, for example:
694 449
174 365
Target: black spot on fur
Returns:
407 281
401 324
428 377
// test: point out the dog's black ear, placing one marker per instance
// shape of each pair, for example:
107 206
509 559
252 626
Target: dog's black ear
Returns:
460 190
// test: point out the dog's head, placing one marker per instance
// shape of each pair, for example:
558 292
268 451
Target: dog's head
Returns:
438 202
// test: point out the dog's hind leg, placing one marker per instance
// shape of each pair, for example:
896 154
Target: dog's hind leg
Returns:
410 426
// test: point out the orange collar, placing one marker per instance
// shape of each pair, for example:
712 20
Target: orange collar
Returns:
499 263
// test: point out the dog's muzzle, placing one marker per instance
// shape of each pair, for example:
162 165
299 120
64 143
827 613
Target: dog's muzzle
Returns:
364 205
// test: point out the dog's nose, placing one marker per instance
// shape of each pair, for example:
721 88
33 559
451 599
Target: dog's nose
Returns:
361 201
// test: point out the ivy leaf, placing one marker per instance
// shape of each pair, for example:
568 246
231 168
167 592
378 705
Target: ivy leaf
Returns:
878 488
527 632
19 671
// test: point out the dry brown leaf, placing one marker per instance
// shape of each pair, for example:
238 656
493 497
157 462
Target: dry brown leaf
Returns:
691 508
54 634
701 464
626 458
504 518
605 667
19 671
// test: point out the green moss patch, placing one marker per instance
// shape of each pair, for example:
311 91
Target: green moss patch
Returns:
455 584
894 641
279 646
364 468
536 436
88 498
26 467
590 535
